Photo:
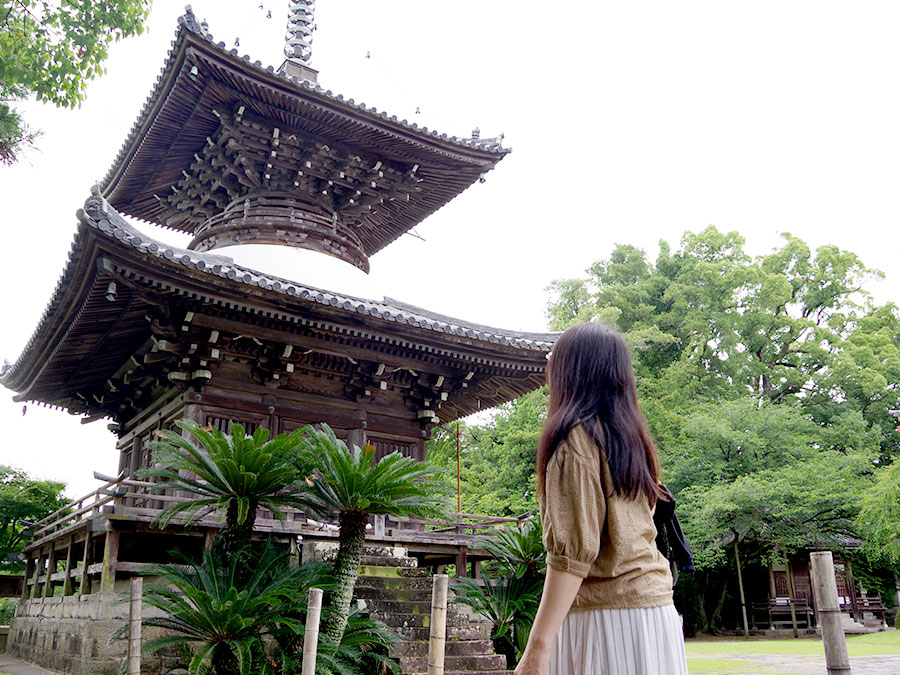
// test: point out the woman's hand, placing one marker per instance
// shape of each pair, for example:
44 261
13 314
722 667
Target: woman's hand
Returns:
534 662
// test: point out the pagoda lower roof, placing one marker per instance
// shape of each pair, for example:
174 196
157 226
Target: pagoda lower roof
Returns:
104 309
217 127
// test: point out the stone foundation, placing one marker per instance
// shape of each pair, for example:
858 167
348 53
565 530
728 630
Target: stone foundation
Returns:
74 635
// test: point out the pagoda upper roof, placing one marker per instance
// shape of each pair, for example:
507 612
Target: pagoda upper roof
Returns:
379 175
91 328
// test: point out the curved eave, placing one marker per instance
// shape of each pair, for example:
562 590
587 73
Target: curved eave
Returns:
177 118
214 281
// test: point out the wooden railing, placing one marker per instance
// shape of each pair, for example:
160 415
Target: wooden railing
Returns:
126 497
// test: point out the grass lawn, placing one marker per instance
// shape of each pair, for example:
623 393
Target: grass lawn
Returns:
702 653
873 644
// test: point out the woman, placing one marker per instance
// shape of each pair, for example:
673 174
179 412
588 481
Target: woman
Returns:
607 600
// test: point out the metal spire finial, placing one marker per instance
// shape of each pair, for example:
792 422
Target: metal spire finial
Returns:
299 30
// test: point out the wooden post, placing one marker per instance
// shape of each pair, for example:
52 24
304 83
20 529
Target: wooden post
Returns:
737 560
51 570
851 589
790 583
67 574
438 635
37 575
110 560
84 587
24 595
134 626
311 639
825 588
462 562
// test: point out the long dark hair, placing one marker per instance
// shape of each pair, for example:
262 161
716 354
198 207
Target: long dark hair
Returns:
591 382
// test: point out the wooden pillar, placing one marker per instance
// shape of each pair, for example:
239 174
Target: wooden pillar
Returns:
67 573
737 561
773 593
825 588
790 583
461 562
851 589
28 572
110 560
51 570
38 564
84 587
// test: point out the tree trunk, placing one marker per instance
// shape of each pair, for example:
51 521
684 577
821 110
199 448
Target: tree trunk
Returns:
346 571
224 662
234 538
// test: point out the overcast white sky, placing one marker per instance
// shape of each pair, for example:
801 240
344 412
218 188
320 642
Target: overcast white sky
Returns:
630 122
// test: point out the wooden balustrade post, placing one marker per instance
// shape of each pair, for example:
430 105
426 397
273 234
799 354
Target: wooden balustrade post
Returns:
311 638
437 638
134 626
837 661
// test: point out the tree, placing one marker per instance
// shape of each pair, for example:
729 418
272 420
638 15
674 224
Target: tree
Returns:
498 458
23 498
355 485
223 617
233 474
766 382
510 590
51 50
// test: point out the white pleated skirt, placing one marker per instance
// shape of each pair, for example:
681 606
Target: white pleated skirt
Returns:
647 641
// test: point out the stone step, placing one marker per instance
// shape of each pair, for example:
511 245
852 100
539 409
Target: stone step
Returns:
468 632
398 619
401 580
393 572
328 551
452 648
387 561
405 606
393 594
479 664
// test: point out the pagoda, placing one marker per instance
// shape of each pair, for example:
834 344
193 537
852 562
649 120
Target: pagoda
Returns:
141 333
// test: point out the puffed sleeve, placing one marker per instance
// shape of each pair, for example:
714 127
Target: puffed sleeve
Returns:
573 510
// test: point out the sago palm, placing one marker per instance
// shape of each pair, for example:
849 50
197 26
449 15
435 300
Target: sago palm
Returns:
232 474
352 483
225 619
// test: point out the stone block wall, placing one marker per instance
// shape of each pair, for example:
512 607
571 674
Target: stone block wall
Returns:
74 634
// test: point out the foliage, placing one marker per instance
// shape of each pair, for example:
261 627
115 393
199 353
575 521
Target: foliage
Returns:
51 50
363 649
224 618
354 485
879 516
7 610
232 474
497 458
518 552
510 595
23 498
511 605
766 382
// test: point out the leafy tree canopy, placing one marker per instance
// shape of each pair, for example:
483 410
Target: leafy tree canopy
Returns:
23 498
51 50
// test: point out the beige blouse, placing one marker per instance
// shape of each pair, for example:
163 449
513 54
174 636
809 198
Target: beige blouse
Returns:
595 534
